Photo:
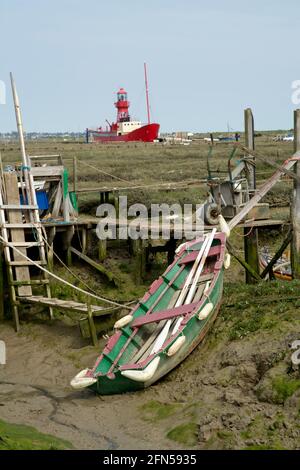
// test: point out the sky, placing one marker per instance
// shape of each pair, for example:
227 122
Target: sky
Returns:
207 61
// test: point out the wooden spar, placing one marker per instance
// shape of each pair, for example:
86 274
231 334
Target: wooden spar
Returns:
295 212
270 162
245 265
19 121
147 93
250 236
262 191
277 255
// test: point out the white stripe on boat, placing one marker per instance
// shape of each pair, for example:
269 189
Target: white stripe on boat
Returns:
142 375
123 321
205 311
81 381
176 345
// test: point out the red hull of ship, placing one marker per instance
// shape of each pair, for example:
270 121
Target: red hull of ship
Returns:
147 133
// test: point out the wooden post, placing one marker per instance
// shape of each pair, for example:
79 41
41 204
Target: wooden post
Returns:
139 249
102 245
249 143
250 237
50 252
295 210
1 284
75 176
67 240
83 240
91 323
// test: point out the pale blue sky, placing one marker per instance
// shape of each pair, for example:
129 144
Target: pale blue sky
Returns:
207 61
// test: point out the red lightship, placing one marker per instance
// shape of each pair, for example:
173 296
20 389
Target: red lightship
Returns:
124 129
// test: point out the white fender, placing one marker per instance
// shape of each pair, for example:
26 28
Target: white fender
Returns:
227 260
176 346
296 358
295 344
180 247
207 285
205 311
142 375
81 381
123 321
223 226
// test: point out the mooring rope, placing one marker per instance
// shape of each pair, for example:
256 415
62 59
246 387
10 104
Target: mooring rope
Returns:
72 272
104 172
61 279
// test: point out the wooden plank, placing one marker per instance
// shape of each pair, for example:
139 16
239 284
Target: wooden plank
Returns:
12 225
32 282
92 263
27 244
17 235
18 206
45 171
65 304
25 263
156 317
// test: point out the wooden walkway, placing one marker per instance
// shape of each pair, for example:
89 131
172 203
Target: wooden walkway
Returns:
66 305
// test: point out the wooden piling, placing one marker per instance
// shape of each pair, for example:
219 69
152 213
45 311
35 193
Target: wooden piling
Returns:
250 237
91 323
295 210
102 250
1 284
139 251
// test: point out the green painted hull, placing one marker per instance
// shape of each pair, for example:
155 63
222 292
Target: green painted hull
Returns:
194 331
124 345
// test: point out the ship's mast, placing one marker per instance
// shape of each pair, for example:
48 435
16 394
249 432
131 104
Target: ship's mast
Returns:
147 95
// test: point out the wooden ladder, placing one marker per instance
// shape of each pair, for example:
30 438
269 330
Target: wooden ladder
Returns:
14 219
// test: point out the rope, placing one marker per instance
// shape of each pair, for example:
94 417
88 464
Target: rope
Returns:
62 280
104 172
249 231
69 270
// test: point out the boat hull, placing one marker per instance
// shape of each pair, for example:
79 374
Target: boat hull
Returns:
147 133
194 332
163 328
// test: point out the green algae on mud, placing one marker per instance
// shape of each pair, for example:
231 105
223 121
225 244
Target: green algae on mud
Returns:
155 411
21 437
186 434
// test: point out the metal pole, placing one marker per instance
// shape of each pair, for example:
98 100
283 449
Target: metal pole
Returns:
147 94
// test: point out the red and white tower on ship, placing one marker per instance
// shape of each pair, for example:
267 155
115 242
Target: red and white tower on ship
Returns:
122 105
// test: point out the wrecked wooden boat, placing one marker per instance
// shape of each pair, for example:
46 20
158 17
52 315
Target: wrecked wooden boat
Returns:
282 269
167 323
